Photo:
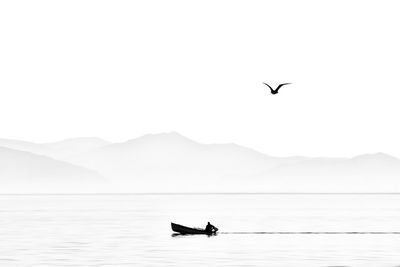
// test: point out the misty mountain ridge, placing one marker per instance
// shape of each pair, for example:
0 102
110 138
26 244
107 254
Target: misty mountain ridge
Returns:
170 162
25 172
58 149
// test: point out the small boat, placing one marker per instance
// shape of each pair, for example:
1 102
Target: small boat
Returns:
189 231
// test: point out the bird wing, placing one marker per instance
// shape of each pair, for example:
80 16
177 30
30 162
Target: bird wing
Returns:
279 86
269 87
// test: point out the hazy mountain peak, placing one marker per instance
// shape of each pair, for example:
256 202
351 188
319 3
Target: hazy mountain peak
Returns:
171 138
376 157
167 135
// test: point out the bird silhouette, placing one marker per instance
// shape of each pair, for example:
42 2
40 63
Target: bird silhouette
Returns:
274 92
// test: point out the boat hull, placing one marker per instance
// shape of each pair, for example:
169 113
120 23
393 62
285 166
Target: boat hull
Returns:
184 230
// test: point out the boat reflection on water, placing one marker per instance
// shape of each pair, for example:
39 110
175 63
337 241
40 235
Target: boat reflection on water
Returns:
188 235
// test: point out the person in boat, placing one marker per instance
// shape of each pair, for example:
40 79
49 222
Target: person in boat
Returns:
210 228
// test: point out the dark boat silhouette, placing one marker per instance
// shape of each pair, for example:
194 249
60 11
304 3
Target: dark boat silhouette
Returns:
189 231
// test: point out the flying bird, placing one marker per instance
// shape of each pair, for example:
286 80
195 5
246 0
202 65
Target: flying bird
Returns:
274 92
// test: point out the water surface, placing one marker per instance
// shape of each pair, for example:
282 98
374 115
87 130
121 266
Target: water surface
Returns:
256 230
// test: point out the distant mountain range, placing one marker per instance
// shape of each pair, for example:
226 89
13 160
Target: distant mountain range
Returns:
25 172
170 162
57 150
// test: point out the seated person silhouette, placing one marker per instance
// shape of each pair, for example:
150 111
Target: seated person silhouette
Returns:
210 228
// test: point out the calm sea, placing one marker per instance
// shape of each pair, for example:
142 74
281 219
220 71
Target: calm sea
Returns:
256 230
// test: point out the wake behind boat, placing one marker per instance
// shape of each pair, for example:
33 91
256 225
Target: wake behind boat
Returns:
191 231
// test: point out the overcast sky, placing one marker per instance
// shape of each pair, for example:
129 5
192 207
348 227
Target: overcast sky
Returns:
121 69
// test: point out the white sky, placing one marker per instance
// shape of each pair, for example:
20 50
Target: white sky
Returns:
121 69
